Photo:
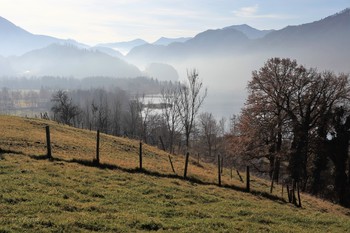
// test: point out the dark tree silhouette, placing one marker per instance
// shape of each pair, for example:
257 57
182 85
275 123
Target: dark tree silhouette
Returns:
63 108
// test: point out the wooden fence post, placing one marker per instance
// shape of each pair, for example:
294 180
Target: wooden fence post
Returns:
288 193
239 175
299 204
171 163
271 187
274 173
248 180
48 142
219 169
162 143
97 160
186 164
140 155
222 165
294 199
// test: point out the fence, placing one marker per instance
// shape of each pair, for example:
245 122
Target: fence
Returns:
291 191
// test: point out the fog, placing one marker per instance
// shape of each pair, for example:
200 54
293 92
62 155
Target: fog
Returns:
224 59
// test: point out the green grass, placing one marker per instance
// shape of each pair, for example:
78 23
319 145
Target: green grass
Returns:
69 194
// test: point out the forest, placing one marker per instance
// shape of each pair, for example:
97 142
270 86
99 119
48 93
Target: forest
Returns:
293 128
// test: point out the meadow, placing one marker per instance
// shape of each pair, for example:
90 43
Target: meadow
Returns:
72 194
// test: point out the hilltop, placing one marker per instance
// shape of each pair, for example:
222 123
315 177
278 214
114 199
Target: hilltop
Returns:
70 193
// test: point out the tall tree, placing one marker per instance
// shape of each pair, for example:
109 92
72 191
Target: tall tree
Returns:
264 115
334 93
191 97
339 154
169 98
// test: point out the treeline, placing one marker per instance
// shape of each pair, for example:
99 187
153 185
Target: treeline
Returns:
170 120
31 96
298 120
132 85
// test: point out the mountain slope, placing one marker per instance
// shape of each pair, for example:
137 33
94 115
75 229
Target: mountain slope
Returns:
71 194
17 41
323 44
207 43
330 30
68 60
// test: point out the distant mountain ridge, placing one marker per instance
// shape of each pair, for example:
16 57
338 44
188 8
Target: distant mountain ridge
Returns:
331 28
69 61
250 32
166 41
17 41
328 37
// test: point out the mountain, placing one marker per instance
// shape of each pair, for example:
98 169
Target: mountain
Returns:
108 51
124 47
207 43
318 43
249 31
17 41
332 29
167 41
217 39
162 72
68 60
323 44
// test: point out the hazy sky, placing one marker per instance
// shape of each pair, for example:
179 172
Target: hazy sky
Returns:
95 21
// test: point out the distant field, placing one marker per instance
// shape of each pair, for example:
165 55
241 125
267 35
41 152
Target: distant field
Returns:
70 194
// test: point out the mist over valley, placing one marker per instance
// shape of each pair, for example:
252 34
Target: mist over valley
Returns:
223 57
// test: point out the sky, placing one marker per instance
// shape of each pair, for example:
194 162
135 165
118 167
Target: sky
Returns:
101 21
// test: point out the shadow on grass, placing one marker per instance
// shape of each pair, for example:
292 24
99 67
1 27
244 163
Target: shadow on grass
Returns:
41 157
173 176
2 152
90 163
11 152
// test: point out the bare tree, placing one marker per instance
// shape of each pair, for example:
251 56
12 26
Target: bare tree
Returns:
210 130
169 97
145 112
103 112
63 108
190 100
133 118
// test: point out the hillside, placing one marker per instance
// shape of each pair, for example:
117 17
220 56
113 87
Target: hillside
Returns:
71 194
17 41
70 61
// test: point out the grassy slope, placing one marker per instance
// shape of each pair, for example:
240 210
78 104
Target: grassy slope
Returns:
70 194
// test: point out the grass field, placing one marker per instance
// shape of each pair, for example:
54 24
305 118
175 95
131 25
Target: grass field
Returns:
71 194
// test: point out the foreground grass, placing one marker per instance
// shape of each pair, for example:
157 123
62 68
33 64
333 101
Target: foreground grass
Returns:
69 194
